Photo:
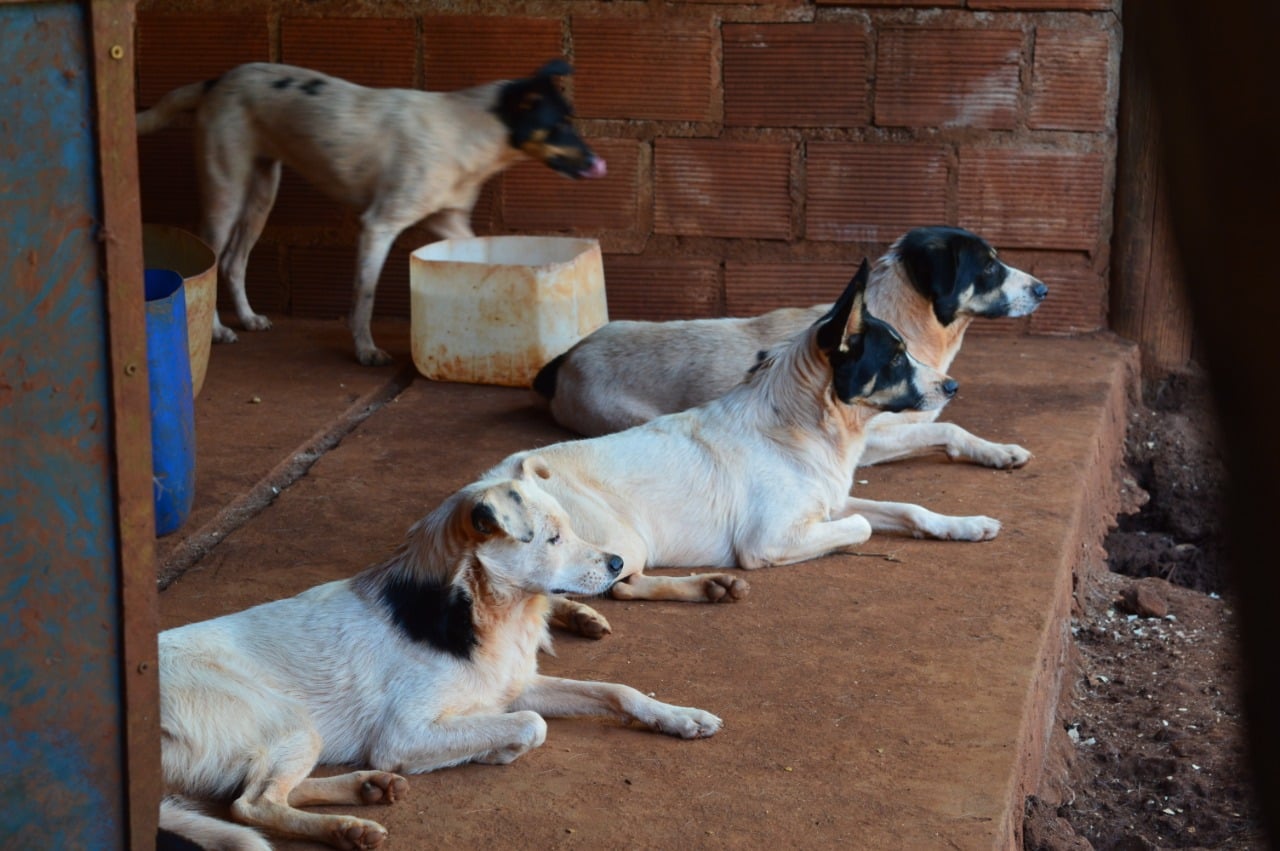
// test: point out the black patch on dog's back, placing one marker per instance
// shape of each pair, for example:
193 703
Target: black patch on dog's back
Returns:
544 383
432 612
282 83
312 86
761 357
209 84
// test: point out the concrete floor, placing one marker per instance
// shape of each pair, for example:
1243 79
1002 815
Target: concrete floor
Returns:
898 699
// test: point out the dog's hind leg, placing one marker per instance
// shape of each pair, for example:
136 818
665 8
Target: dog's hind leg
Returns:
357 787
224 172
216 232
205 831
699 588
921 522
903 440
271 777
413 745
264 180
809 539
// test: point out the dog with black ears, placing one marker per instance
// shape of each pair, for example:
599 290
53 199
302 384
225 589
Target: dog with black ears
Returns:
930 285
758 477
399 156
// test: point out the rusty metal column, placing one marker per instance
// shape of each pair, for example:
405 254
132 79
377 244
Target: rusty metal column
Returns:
121 235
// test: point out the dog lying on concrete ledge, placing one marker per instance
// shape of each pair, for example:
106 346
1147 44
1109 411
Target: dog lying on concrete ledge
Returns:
930 285
758 477
425 661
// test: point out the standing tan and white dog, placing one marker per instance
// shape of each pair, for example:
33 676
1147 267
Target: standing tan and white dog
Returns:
425 661
399 156
930 285
757 477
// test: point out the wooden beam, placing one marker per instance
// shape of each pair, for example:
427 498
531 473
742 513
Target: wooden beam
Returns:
121 235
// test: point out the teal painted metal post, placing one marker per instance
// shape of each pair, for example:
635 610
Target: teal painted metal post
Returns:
61 744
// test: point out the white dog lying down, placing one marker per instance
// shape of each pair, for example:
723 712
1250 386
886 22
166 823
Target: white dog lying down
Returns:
425 661
760 476
930 285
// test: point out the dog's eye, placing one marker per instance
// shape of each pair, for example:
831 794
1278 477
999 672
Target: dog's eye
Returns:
554 539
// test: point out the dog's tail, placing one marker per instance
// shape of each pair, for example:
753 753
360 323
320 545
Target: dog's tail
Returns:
545 381
184 828
169 107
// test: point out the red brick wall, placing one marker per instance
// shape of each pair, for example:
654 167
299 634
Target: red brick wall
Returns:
757 150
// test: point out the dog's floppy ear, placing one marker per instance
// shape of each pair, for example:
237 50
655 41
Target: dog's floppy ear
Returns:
499 512
845 316
929 257
524 94
529 106
554 68
484 520
941 264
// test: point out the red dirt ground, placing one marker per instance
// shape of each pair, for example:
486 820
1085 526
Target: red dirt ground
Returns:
1152 733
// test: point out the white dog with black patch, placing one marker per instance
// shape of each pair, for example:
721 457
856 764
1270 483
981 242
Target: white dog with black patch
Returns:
425 661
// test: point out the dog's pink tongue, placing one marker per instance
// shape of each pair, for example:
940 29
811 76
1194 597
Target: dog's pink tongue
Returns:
596 169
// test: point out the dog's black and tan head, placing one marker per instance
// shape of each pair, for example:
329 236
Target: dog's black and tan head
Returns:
870 364
539 120
960 274
488 546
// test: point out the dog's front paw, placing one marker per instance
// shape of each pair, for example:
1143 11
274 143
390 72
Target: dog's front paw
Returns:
373 357
1016 455
1001 456
382 787
579 618
976 528
723 588
255 322
223 334
686 722
589 623
356 834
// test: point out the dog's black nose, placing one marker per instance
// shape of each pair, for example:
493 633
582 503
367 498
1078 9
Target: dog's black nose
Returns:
1040 290
949 387
614 563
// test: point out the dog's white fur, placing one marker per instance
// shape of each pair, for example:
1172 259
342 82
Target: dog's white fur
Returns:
254 700
398 155
758 477
627 373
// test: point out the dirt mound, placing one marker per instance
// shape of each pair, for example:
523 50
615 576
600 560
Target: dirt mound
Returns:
1173 454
